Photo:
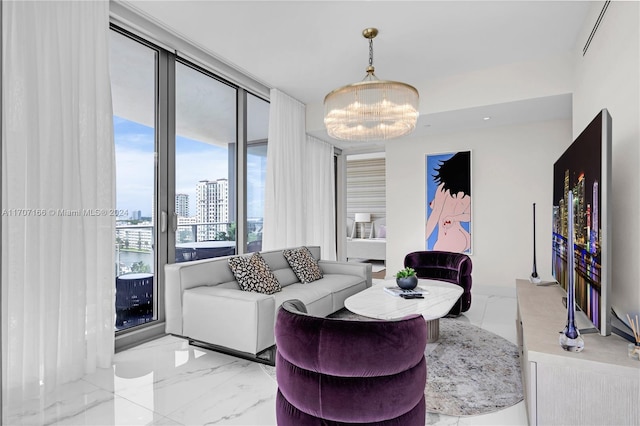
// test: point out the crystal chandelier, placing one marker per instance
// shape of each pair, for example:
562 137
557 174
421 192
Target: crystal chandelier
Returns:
371 109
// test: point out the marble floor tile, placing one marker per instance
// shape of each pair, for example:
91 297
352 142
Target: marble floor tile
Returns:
167 382
515 415
441 420
475 314
117 411
81 403
246 399
66 401
500 317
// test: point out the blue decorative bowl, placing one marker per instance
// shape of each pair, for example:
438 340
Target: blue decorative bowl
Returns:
407 283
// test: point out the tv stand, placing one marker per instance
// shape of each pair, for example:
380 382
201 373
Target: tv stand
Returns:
598 386
620 328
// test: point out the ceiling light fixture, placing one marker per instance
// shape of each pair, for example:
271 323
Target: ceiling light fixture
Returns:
371 109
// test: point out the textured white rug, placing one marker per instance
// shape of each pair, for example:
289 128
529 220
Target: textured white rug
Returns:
470 371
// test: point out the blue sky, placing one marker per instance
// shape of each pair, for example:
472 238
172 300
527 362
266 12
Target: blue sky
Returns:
195 161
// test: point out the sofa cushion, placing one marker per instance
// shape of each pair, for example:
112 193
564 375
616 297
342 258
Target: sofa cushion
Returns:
341 287
303 264
317 298
253 274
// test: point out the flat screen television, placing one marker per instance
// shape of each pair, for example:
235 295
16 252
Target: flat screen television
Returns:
585 169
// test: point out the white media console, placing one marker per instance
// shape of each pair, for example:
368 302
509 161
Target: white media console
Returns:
598 386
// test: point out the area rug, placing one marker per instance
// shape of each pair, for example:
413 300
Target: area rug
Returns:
470 371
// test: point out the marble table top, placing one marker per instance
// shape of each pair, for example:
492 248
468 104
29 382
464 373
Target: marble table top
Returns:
375 302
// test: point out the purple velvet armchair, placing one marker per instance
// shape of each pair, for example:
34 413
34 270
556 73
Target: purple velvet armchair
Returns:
340 372
444 266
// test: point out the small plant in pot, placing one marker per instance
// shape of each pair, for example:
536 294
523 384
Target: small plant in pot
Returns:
406 279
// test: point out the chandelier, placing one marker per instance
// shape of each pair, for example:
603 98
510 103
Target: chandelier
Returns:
371 109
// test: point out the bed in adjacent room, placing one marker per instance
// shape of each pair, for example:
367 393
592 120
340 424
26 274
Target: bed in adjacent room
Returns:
372 248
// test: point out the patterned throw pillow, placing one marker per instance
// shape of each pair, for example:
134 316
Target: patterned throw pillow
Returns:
253 274
304 265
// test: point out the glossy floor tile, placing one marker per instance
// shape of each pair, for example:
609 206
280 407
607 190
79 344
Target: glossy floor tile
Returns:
168 382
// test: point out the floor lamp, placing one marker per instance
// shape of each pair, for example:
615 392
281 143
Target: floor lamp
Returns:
362 218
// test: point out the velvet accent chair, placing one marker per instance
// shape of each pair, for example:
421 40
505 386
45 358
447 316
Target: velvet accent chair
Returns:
341 372
445 266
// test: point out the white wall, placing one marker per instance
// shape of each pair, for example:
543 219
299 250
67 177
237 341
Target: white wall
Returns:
608 77
535 78
512 167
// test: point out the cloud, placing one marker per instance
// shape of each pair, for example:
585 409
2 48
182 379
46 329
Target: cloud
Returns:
195 161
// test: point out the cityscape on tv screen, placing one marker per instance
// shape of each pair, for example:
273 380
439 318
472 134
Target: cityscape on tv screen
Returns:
579 170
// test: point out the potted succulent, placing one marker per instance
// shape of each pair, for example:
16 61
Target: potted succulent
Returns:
406 279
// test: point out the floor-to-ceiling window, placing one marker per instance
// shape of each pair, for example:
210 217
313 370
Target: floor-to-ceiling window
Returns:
205 147
178 153
134 81
257 132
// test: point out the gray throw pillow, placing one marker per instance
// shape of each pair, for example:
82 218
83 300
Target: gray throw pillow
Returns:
304 265
253 274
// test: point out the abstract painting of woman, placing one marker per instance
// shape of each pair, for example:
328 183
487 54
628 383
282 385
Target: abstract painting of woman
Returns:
449 202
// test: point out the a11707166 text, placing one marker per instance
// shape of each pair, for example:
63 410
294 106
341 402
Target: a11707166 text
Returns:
64 212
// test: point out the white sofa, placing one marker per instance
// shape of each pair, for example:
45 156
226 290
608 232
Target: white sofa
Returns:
205 304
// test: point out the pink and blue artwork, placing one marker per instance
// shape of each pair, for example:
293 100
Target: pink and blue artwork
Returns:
448 199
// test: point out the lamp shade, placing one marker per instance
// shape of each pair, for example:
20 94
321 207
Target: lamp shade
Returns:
362 217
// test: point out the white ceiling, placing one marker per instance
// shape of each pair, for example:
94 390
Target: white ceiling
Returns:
308 48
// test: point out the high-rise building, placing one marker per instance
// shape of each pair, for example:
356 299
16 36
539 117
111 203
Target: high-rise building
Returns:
580 209
595 223
565 220
135 237
563 216
588 233
182 205
212 208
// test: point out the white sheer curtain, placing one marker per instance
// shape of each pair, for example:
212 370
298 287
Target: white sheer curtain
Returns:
299 194
57 189
320 196
284 207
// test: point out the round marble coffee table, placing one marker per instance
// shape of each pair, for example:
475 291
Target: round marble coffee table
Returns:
375 302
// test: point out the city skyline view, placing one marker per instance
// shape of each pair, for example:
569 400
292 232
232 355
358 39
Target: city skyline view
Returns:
203 113
194 161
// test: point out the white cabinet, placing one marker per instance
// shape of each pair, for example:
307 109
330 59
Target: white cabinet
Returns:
598 386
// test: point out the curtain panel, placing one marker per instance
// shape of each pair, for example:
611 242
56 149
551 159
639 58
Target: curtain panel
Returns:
58 190
320 196
284 224
299 193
